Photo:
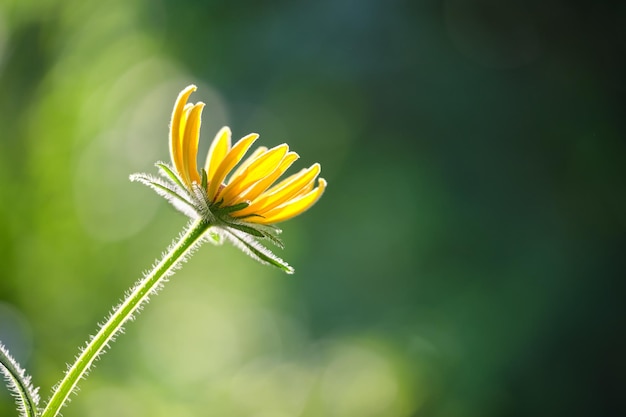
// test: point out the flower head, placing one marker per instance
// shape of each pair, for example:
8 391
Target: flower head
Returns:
242 200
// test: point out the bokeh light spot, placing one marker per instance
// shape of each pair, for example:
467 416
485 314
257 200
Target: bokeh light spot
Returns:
15 332
358 382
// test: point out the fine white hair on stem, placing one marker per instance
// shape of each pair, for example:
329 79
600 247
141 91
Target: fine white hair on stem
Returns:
19 384
135 299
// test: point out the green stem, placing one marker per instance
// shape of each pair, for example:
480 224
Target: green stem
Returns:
122 314
18 383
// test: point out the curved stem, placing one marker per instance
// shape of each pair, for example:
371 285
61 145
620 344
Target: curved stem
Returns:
18 382
122 313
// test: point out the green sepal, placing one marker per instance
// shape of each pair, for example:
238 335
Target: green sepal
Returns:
257 251
236 207
170 174
247 216
273 238
270 232
204 180
174 194
217 205
246 229
170 192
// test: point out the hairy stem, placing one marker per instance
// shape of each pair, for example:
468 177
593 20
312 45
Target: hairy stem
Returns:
133 301
19 384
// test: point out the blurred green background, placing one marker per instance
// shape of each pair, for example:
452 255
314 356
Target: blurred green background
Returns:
466 260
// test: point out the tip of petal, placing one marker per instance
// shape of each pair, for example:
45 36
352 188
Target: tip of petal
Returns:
316 167
250 136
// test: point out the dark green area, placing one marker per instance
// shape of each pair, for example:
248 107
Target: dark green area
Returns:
473 230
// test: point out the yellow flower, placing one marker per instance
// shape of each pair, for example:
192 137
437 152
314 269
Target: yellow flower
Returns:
232 198
250 190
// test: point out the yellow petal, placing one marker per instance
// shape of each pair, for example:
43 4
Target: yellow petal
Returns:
306 189
218 150
183 124
230 160
256 169
260 187
293 207
178 116
285 181
295 182
276 196
190 143
179 164
245 164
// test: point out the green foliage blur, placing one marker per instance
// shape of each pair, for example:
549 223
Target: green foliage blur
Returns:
466 260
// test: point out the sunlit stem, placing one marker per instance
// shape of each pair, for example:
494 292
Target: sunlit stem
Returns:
139 295
18 382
